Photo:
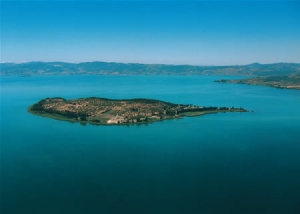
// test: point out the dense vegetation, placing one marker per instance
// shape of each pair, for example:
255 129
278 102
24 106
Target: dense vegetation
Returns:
38 107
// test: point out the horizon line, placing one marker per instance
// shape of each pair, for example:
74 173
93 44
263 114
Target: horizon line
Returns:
25 62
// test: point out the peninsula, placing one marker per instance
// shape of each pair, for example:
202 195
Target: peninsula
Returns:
282 82
104 111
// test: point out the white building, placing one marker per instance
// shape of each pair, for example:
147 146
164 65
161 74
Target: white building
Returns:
117 119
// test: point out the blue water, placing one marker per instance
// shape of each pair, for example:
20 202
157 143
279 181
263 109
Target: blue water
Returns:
222 163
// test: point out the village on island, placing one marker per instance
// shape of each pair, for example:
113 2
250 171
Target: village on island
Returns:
120 119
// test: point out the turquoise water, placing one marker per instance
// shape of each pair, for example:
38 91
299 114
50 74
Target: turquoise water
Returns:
223 163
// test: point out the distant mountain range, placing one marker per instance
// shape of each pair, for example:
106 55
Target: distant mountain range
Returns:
112 68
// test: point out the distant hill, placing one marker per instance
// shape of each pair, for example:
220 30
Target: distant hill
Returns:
112 68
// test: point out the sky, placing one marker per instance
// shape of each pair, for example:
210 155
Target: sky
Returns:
165 32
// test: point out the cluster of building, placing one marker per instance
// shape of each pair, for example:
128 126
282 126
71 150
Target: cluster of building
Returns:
120 119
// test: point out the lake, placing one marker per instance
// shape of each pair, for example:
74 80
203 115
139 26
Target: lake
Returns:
219 163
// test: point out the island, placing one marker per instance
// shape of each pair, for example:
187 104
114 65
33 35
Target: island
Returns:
103 111
282 82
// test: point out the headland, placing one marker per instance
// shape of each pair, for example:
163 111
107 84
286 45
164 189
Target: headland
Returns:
282 82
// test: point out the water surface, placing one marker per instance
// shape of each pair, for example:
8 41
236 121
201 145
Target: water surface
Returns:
219 163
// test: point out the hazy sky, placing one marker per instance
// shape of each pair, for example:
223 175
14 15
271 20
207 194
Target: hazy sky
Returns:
172 32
